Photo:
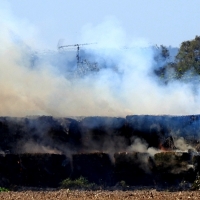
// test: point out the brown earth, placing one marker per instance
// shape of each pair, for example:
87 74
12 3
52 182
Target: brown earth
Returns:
99 194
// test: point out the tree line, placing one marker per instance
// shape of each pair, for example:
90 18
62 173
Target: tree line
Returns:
185 65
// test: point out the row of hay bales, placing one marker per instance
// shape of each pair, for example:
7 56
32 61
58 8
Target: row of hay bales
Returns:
92 133
33 169
48 170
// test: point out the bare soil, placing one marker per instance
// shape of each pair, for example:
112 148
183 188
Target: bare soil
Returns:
99 194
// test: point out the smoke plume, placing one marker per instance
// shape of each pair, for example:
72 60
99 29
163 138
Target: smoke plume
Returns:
39 83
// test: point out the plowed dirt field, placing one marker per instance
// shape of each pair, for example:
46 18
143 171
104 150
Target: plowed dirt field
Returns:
99 194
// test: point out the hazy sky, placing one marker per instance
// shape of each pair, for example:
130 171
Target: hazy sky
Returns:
157 21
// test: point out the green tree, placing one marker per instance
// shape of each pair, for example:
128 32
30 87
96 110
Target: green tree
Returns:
188 57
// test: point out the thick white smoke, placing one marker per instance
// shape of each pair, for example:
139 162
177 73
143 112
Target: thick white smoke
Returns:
124 84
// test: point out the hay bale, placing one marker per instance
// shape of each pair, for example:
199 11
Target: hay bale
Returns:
10 168
44 169
173 162
150 128
96 167
56 133
103 133
133 168
7 136
174 167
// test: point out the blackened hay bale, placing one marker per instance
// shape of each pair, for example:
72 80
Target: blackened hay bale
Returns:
99 133
96 167
133 168
43 169
174 167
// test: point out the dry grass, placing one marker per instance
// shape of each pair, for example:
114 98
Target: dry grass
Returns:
100 194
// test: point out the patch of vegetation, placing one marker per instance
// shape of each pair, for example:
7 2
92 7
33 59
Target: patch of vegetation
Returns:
80 183
122 184
2 189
